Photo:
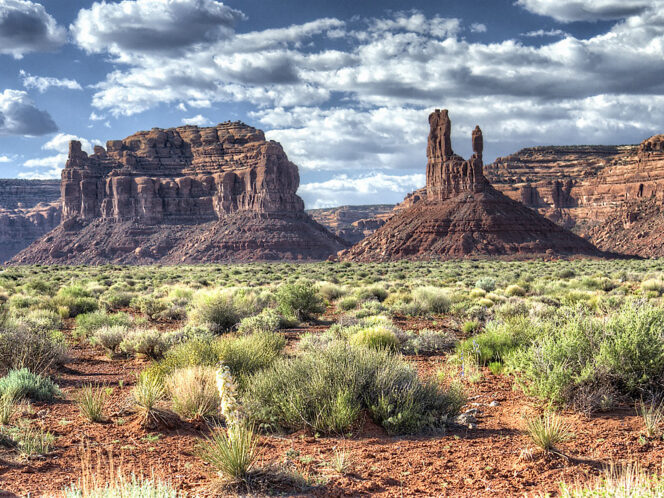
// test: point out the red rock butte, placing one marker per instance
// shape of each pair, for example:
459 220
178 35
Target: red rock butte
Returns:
459 214
185 194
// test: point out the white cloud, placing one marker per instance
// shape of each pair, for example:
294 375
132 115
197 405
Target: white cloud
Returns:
96 117
60 143
134 27
478 27
5 159
43 83
19 116
26 27
198 120
586 10
542 33
372 188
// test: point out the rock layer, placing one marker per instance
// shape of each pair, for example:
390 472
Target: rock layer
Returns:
28 210
183 194
460 214
353 223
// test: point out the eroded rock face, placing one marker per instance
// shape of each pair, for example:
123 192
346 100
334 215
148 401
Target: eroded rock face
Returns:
353 223
459 214
582 186
28 210
148 197
180 174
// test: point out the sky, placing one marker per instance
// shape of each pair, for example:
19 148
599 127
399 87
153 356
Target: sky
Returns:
345 86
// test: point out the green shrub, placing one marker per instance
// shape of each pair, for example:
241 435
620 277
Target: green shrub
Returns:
22 383
429 342
300 301
91 402
87 324
109 338
498 339
653 285
348 303
243 355
515 290
267 320
74 300
193 391
470 327
232 453
331 291
327 390
375 337
581 356
37 320
487 284
218 311
151 343
25 348
432 300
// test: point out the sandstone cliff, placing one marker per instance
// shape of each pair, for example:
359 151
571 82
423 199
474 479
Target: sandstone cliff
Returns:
184 194
28 210
460 214
353 223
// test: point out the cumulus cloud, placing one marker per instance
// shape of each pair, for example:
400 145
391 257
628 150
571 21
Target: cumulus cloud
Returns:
198 120
586 10
19 116
26 27
5 159
478 27
542 33
372 188
43 83
150 26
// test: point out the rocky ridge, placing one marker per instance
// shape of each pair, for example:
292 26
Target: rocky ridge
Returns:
28 210
353 223
459 214
185 194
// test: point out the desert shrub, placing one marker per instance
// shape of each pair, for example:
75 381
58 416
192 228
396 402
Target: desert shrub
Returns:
193 391
624 481
331 291
328 389
124 487
511 309
22 347
499 338
232 453
348 303
470 327
429 342
109 338
432 300
88 323
548 431
312 341
38 320
114 299
375 337
580 353
477 293
515 290
243 355
653 285
91 402
300 301
74 300
487 284
267 320
150 306
377 292
22 383
370 308
32 441
149 342
218 311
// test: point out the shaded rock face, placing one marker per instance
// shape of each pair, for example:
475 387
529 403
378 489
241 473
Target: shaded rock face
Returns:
189 194
582 186
28 210
459 214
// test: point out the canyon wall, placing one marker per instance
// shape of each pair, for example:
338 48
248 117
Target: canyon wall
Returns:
185 194
28 210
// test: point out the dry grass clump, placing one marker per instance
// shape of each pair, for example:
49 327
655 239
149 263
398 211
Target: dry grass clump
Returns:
193 391
548 431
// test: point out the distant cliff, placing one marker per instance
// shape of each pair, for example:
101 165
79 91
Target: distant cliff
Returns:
185 194
28 209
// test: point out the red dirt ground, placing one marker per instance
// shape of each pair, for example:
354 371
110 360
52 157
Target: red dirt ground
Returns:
486 461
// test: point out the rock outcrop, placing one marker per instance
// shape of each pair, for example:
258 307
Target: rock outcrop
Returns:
460 214
353 223
28 210
184 194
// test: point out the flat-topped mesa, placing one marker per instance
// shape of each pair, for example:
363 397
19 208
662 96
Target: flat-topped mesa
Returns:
180 174
448 174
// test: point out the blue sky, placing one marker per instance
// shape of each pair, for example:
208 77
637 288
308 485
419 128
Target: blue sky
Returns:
345 86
